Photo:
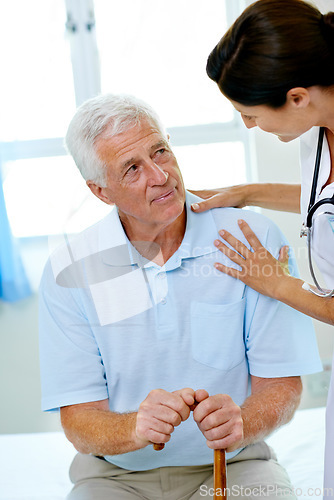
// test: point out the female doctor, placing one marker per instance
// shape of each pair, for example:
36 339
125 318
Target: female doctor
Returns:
276 66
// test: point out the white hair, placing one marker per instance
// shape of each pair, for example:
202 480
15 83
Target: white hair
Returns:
107 115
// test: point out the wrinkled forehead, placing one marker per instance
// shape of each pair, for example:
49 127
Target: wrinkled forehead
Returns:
119 150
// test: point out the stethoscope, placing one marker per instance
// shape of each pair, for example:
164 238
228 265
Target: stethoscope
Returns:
306 229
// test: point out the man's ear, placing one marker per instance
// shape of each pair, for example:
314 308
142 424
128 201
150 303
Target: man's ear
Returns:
298 97
99 192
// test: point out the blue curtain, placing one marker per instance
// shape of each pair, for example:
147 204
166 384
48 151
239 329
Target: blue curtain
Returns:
14 284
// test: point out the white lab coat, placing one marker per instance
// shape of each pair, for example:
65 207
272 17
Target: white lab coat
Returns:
323 251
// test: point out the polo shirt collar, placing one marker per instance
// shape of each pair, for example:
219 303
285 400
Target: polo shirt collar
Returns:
201 231
114 245
116 249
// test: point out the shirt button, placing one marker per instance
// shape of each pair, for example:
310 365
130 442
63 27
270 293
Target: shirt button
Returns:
162 276
163 301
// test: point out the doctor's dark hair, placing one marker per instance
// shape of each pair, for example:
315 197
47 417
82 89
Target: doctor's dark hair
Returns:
104 116
272 47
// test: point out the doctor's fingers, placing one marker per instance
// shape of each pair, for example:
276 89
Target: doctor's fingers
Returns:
236 245
250 236
231 254
232 196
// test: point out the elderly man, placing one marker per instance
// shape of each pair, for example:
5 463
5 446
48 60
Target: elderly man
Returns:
136 325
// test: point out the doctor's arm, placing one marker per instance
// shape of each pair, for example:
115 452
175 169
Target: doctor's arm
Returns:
262 272
283 197
93 428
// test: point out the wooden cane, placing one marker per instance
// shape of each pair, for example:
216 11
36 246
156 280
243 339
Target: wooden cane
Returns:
219 472
158 446
219 475
219 467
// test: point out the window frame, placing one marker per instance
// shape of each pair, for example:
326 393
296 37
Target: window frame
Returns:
80 25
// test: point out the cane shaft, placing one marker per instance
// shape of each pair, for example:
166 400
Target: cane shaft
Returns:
219 475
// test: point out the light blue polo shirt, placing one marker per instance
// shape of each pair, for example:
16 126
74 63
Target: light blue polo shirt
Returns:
115 325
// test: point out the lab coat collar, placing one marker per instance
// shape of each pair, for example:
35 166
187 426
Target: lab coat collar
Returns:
308 151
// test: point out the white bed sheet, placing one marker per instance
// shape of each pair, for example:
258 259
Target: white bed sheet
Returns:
35 466
300 448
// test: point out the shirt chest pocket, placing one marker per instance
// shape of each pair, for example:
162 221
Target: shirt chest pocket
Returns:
217 334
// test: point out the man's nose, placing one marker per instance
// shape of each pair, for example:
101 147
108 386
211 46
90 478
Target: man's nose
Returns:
156 175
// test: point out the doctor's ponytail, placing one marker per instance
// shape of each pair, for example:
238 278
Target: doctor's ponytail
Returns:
327 29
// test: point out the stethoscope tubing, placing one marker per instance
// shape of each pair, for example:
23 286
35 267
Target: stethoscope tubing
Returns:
315 207
321 292
312 208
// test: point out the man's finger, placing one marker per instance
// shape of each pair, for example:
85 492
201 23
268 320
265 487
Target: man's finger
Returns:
200 395
166 406
188 396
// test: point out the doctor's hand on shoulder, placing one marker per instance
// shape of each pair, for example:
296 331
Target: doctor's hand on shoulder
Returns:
274 196
232 196
258 268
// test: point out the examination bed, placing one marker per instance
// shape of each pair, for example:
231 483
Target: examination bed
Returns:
35 466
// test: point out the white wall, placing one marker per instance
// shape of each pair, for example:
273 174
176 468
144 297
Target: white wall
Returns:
19 370
20 393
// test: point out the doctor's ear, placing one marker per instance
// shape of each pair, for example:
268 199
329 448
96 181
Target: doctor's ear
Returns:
298 97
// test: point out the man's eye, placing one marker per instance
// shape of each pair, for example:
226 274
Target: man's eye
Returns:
163 152
131 169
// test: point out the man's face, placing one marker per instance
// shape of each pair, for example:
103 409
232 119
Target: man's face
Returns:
143 177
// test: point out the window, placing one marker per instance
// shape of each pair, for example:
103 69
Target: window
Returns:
70 51
62 203
37 94
159 53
